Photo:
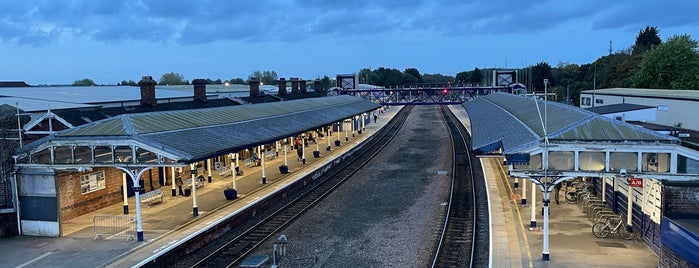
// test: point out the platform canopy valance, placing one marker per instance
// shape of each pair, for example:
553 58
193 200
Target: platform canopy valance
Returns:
176 138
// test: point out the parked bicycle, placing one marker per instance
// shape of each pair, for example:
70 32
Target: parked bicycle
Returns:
605 228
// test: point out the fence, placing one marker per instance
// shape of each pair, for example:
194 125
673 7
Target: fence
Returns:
111 226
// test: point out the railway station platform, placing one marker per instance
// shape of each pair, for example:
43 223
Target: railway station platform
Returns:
571 243
168 223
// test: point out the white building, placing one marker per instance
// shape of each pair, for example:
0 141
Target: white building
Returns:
674 107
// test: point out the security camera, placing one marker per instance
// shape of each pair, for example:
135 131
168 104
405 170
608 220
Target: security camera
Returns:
622 172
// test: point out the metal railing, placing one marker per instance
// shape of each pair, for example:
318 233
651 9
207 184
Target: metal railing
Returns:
113 226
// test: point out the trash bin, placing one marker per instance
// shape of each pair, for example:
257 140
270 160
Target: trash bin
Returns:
316 154
337 143
283 169
187 192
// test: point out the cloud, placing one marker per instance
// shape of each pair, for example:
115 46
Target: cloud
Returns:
196 22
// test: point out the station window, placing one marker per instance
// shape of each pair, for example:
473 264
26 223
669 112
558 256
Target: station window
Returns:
92 182
599 101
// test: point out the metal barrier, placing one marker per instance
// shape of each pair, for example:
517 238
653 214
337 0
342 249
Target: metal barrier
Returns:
111 226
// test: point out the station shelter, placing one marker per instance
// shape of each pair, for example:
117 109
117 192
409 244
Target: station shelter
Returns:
649 178
92 166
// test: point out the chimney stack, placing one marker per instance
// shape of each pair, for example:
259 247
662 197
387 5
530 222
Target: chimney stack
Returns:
199 90
294 85
303 86
147 85
282 86
254 87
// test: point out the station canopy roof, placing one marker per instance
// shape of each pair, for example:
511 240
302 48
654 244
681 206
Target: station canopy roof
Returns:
175 138
513 124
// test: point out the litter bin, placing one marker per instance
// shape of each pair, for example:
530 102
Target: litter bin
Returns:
337 143
187 192
283 169
316 154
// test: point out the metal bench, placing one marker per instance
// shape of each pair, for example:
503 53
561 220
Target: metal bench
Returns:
199 182
252 161
270 155
152 197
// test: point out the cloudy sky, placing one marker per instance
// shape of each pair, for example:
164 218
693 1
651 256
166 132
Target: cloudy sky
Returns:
60 41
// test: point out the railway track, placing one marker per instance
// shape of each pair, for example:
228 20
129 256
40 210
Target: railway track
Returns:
465 239
236 250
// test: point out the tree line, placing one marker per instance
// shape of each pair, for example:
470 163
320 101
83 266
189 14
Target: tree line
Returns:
648 63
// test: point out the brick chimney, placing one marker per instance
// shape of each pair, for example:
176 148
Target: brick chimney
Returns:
199 90
294 84
282 86
303 86
254 87
147 85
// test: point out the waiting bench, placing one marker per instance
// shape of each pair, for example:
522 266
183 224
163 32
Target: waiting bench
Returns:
270 155
198 183
152 197
252 161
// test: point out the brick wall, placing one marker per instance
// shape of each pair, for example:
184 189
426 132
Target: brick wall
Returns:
681 201
73 203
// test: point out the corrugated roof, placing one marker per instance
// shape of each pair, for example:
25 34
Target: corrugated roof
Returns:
193 135
617 108
517 123
648 93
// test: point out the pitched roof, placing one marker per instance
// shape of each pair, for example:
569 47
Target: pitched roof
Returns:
516 124
188 136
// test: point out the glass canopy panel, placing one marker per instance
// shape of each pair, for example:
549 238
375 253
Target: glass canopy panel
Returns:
145 156
123 154
655 162
561 160
103 154
686 165
83 154
625 160
534 163
592 161
63 154
42 157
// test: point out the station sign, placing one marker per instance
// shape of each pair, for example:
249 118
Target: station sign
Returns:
636 182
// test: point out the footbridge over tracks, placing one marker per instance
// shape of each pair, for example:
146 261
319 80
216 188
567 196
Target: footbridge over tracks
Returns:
428 94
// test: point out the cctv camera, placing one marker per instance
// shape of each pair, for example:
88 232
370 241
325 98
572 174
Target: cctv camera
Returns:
622 172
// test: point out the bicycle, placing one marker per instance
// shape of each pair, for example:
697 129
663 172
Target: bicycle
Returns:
604 228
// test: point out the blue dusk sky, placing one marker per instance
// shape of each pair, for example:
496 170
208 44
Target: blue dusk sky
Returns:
58 42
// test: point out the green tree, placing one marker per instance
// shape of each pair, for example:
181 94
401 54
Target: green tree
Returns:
408 79
388 77
326 84
463 77
172 78
476 76
266 77
646 39
84 82
541 71
672 65
238 80
414 73
127 83
437 78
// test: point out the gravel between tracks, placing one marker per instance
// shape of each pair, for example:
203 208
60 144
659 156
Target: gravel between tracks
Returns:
389 214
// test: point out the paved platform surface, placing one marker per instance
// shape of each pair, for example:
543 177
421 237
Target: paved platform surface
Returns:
571 243
166 224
